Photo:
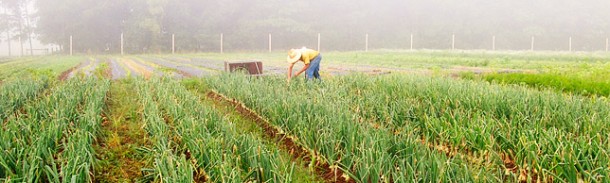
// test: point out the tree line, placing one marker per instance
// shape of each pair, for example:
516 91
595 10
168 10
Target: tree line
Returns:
148 25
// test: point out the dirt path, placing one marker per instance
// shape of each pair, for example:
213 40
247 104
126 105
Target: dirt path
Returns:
117 71
142 70
84 69
118 156
64 75
286 143
185 70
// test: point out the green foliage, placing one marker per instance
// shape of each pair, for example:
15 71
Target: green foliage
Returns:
13 95
564 83
66 120
37 67
389 114
227 155
318 115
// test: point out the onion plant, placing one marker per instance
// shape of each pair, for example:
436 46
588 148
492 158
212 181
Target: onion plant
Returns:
325 123
224 154
169 167
36 144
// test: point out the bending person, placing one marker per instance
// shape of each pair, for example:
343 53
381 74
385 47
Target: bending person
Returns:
311 59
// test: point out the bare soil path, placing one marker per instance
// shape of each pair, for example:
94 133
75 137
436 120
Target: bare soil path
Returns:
119 158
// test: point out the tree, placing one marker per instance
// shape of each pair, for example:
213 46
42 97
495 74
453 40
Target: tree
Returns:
149 24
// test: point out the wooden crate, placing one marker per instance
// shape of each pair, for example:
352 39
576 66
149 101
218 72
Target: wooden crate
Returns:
248 67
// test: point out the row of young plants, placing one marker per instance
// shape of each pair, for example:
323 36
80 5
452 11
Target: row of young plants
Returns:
548 135
168 166
560 82
78 156
14 94
53 65
325 123
216 149
551 136
50 140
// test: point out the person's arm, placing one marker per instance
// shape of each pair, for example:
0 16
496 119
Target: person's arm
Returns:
302 70
305 58
290 72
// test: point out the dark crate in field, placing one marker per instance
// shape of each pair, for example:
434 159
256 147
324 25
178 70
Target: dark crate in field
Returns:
249 67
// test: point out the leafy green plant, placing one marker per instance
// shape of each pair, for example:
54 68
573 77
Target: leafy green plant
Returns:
318 116
560 82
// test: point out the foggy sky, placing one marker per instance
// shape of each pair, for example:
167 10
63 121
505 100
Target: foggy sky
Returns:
343 23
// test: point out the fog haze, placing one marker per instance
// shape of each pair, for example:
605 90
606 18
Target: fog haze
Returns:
148 25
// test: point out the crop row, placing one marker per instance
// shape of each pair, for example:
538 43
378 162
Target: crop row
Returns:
50 141
14 94
168 167
212 143
50 66
560 82
328 125
549 136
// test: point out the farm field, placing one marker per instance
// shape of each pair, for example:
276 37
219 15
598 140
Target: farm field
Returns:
379 116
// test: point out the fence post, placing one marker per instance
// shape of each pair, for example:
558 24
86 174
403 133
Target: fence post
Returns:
318 41
453 42
570 44
366 45
532 48
269 42
411 42
221 43
493 43
122 44
173 43
70 45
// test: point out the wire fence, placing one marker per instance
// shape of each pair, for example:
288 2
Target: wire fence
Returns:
349 42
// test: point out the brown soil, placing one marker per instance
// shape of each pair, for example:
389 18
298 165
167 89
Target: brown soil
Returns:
64 75
185 74
139 68
323 170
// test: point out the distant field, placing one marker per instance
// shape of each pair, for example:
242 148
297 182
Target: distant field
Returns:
379 116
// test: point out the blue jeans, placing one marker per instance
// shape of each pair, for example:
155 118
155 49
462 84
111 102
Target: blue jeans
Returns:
314 68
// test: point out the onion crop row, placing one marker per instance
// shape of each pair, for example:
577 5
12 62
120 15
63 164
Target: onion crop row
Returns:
14 94
547 135
553 136
50 66
329 126
78 155
32 143
168 167
225 154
